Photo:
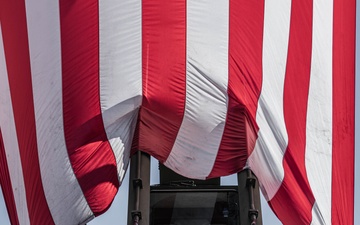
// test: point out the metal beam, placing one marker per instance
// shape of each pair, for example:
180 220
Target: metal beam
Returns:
249 198
139 189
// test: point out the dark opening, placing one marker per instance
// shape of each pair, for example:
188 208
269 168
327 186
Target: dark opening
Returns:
194 206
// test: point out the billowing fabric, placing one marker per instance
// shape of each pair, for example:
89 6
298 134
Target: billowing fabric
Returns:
206 87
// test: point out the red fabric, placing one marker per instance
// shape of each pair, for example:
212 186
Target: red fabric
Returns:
343 112
295 187
6 185
164 58
90 153
245 73
14 30
164 76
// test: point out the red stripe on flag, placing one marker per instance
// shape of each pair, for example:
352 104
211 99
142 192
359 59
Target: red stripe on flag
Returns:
6 185
343 112
295 188
16 47
164 75
244 87
90 153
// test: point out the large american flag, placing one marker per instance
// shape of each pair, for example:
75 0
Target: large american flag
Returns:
206 87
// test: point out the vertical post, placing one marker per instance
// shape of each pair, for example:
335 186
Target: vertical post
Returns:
249 198
139 189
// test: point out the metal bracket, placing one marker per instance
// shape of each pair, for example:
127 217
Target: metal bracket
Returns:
137 183
253 212
253 215
250 182
136 213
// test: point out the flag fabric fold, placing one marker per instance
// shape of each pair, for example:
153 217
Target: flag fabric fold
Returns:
207 88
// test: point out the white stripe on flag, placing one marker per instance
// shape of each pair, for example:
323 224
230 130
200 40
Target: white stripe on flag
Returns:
7 125
61 188
318 155
267 157
120 74
200 134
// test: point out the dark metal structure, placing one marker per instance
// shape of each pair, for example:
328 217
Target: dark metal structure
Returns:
249 198
178 200
139 189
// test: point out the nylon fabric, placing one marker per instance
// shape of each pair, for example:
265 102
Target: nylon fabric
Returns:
295 185
6 186
9 140
246 24
120 74
16 48
343 115
199 137
89 150
163 76
62 190
319 114
208 89
267 156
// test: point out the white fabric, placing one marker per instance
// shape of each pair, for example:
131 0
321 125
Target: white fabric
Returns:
319 113
10 141
267 157
120 74
200 134
195 149
61 188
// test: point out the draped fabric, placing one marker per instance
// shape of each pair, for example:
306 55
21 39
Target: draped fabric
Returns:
206 87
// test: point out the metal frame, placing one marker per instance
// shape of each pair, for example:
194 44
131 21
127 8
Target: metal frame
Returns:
139 193
139 189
